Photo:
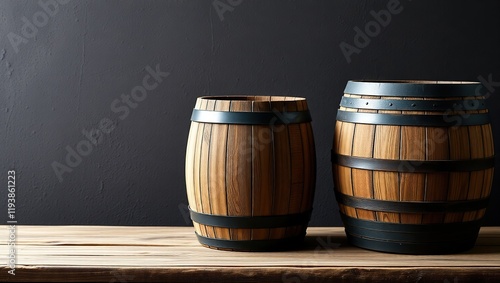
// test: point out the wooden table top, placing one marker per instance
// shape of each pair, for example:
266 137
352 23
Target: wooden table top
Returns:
172 254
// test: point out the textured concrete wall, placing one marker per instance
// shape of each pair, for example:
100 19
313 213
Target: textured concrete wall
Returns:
68 72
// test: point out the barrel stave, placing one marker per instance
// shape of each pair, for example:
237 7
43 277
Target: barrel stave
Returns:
217 167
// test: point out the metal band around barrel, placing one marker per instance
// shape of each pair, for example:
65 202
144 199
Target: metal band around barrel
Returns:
430 237
413 120
427 233
413 166
412 105
251 222
410 228
250 118
289 243
411 206
388 88
411 238
403 247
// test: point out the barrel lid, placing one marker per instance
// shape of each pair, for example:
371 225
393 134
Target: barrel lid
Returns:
254 98
414 88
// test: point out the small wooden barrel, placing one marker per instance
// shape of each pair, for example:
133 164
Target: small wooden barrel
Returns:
250 171
413 165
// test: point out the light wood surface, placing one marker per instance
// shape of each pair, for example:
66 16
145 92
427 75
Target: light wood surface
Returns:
172 254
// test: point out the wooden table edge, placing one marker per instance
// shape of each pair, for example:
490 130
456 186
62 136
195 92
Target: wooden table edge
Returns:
285 274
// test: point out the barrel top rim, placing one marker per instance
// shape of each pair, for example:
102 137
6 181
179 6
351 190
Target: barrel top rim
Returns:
254 98
415 88
416 82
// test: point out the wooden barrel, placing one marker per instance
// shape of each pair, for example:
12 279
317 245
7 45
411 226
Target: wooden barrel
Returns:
413 164
250 171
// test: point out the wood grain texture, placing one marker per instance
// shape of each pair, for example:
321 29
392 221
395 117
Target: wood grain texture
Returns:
459 181
488 176
250 170
337 170
263 171
282 167
476 178
387 145
414 143
239 171
172 254
297 170
217 164
309 155
436 183
192 182
344 142
437 148
362 180
412 185
204 167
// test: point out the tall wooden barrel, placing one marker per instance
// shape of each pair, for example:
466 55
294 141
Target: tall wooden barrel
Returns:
250 171
413 164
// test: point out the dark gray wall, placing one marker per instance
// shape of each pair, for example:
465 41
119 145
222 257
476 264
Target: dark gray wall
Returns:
66 75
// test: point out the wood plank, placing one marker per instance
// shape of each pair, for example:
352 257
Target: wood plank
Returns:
459 181
476 179
282 169
338 170
310 164
362 180
412 185
437 148
386 184
191 173
263 170
193 130
488 151
271 274
172 254
239 170
77 246
297 170
217 164
197 168
204 172
437 183
344 147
